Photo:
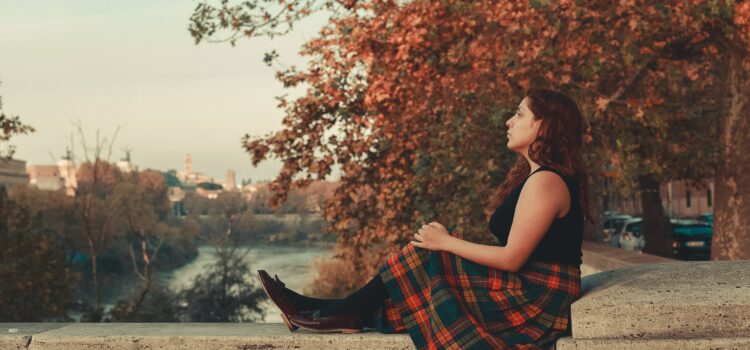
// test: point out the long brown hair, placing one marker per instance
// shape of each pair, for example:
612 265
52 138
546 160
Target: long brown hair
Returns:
558 145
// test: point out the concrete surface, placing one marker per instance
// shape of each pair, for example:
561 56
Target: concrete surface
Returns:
684 300
18 335
569 343
193 336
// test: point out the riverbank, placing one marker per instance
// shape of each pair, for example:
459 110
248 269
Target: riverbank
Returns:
292 263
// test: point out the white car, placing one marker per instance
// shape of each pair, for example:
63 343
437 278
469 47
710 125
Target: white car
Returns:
612 224
630 236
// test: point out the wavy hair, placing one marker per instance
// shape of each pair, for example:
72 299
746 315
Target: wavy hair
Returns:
558 145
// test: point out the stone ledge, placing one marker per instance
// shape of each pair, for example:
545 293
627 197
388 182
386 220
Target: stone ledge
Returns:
569 343
676 305
674 300
18 335
192 336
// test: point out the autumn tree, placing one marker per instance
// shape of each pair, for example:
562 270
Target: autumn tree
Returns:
675 71
356 114
96 207
408 98
36 283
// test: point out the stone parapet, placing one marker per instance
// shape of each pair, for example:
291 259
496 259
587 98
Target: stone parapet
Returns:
639 302
695 304
174 336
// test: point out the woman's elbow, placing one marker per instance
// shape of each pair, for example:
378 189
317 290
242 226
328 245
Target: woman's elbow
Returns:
513 268
515 264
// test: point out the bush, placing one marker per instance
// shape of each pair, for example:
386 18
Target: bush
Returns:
223 293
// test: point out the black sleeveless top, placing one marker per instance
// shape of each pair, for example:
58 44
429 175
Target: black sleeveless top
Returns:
562 241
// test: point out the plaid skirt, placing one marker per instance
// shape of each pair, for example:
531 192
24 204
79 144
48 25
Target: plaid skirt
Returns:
446 302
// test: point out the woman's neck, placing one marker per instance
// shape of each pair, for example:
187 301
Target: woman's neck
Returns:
533 165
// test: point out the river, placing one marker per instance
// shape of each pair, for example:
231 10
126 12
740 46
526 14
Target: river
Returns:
293 265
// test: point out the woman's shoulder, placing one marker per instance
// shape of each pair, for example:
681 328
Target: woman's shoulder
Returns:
550 182
547 177
570 180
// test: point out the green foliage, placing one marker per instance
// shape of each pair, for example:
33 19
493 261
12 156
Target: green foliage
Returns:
36 283
209 186
159 305
224 293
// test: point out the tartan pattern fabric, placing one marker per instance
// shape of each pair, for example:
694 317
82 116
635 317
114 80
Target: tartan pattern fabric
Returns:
446 302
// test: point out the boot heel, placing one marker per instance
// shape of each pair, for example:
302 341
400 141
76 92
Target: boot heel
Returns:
289 325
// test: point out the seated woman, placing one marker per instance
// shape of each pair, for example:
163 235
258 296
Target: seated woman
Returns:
447 292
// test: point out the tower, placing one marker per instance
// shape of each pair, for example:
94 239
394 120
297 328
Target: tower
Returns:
229 182
188 164
124 163
67 170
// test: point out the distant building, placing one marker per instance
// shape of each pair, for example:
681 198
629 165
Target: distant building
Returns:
55 177
45 177
249 191
188 163
124 164
313 203
229 183
679 198
176 195
209 190
190 179
13 172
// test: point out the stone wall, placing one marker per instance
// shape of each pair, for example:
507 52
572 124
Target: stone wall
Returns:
638 302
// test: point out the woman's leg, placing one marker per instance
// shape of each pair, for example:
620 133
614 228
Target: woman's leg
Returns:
308 303
362 302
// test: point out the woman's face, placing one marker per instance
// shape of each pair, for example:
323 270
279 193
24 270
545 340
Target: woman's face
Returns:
522 128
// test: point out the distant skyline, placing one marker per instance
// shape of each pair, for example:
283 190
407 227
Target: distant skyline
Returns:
134 64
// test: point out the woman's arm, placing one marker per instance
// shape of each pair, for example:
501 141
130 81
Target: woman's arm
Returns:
542 199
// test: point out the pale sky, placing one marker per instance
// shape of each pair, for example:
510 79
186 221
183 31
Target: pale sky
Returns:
133 63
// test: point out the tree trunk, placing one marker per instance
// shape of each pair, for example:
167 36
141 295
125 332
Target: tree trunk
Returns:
92 253
656 228
147 277
96 314
593 230
731 238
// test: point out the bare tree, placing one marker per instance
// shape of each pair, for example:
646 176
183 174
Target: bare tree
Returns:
95 205
146 206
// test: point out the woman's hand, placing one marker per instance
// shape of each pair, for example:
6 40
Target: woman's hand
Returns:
432 236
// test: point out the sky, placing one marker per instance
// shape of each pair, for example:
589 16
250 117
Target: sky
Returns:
134 64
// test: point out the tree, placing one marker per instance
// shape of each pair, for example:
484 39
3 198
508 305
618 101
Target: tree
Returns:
145 205
223 293
96 207
405 95
53 215
37 284
669 62
10 126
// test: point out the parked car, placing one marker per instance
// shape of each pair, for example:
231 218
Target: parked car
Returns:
613 223
692 239
707 218
629 237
